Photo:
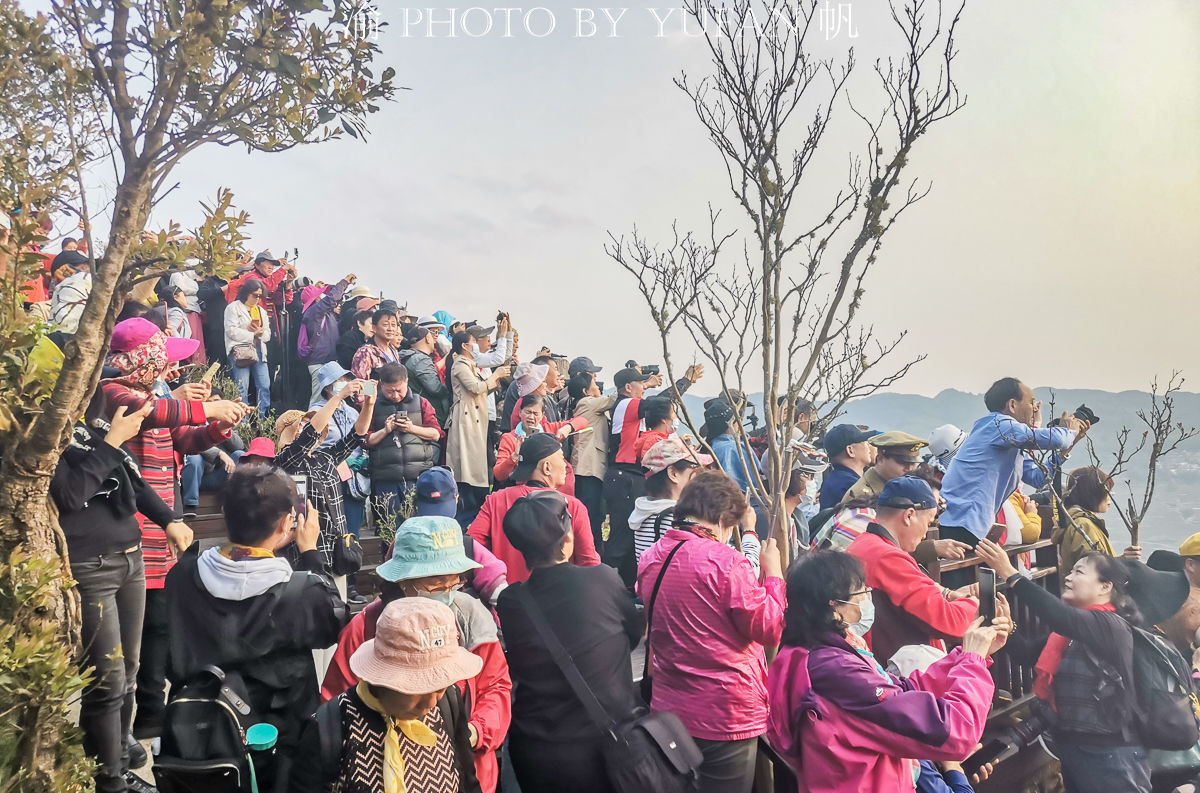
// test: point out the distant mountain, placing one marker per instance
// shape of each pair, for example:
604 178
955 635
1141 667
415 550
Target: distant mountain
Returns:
1175 509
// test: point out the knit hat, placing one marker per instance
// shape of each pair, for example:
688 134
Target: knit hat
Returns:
427 545
415 649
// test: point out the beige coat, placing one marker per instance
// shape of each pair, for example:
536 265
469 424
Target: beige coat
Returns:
590 457
466 438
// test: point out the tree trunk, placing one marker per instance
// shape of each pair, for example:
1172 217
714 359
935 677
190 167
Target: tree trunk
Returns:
27 521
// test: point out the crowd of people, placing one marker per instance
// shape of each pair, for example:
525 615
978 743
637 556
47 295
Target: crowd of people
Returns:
521 494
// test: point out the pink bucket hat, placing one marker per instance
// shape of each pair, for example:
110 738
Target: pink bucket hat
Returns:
415 649
132 333
529 376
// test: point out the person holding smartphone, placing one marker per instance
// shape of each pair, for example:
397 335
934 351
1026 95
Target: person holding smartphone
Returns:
404 440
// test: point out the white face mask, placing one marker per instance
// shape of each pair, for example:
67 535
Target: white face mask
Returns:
866 617
338 386
474 348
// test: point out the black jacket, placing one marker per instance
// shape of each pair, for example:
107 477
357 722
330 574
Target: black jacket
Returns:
99 491
1094 686
348 344
592 615
266 639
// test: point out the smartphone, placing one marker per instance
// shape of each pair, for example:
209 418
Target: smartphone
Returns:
210 373
370 388
301 496
401 415
994 751
987 594
996 532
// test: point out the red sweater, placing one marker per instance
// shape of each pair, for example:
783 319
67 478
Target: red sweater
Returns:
488 528
167 430
509 443
909 605
489 693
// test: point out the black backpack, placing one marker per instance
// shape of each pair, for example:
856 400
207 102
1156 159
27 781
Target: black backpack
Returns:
1167 706
204 748
204 737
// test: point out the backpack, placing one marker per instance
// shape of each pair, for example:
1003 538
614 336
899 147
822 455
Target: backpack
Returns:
204 746
1167 706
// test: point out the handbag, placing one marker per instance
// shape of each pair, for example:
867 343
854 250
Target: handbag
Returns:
647 683
646 750
358 486
243 355
347 555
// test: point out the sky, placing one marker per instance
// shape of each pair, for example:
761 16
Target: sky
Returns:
1059 243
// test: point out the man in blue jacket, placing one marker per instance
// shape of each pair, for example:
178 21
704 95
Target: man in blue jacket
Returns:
993 461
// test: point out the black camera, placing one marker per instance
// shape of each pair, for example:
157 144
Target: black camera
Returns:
651 369
1083 413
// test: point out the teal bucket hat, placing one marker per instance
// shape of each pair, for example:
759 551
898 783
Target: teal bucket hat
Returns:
427 545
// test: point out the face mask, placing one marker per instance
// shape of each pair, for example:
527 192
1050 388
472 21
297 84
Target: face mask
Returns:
866 617
474 348
446 598
338 386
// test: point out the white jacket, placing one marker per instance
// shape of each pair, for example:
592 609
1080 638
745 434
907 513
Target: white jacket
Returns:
237 328
70 296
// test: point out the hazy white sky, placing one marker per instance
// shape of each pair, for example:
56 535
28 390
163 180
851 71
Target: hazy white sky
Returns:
1059 243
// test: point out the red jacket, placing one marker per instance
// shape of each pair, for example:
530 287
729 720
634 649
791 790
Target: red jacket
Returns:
909 605
168 429
489 693
510 442
488 528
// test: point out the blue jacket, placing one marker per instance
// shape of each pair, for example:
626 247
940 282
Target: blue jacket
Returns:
990 465
724 448
837 481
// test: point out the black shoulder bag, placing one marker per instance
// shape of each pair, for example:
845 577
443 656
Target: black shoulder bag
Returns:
644 751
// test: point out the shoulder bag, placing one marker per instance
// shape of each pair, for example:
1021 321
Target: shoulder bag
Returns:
644 751
647 684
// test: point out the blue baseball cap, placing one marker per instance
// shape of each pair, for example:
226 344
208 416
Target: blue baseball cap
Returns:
437 493
908 492
843 435
427 545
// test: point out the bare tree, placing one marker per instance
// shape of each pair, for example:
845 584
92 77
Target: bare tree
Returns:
782 298
1161 435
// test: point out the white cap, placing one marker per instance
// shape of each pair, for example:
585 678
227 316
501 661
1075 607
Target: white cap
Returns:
945 441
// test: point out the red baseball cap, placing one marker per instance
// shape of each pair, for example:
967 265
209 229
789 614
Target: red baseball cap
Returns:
136 331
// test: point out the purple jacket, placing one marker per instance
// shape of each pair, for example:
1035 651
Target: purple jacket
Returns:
846 726
321 325
709 624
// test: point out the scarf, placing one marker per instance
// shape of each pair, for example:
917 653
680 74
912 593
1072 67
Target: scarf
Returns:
1051 657
238 553
393 760
695 528
143 364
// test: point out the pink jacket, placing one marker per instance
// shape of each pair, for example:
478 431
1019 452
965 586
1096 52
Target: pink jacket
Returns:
847 728
710 622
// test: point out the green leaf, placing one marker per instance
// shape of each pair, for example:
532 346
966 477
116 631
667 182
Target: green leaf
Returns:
388 74
290 64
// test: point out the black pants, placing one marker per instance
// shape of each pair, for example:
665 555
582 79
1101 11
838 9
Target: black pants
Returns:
959 578
112 589
558 766
152 673
728 765
621 489
470 499
590 490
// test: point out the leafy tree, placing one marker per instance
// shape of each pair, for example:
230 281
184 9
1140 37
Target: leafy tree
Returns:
141 84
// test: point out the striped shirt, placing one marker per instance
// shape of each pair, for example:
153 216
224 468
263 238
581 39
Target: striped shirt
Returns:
170 430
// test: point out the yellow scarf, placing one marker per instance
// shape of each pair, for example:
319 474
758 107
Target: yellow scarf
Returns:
413 729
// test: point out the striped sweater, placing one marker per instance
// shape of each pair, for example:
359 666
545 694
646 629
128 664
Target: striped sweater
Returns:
169 429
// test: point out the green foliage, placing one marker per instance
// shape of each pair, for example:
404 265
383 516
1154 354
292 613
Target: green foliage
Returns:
386 513
214 247
37 671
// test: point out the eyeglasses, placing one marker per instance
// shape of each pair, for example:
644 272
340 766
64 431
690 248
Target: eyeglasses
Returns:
865 591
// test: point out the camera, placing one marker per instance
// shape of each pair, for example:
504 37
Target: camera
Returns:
1083 413
651 369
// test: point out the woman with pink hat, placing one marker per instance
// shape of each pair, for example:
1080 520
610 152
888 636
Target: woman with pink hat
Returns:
141 353
404 726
